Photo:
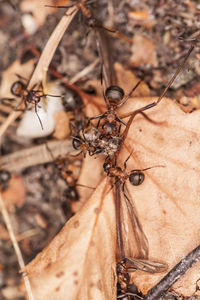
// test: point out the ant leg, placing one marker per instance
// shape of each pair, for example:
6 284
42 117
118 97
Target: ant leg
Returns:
121 121
45 95
125 163
101 75
21 77
6 101
19 104
38 116
130 93
142 109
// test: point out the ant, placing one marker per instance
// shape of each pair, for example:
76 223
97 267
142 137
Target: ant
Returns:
67 175
70 190
114 99
73 102
85 8
92 141
19 89
128 221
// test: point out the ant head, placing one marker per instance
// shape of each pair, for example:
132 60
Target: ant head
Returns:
114 94
17 88
136 177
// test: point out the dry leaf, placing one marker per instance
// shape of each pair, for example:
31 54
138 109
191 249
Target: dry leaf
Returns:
62 129
143 51
167 204
15 193
75 265
128 80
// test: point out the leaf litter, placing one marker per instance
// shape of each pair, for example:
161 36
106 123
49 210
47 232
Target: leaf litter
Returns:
167 205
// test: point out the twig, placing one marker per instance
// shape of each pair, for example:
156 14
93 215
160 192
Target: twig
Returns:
35 155
44 61
177 271
85 71
16 247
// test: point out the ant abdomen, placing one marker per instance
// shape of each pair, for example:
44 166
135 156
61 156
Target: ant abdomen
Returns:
114 94
136 178
76 143
17 88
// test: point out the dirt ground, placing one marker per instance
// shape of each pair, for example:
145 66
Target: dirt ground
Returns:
167 28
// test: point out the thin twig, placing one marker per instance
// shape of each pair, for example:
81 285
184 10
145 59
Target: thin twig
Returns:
36 155
44 61
170 278
16 247
85 71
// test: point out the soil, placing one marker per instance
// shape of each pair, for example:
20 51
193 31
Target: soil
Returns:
170 27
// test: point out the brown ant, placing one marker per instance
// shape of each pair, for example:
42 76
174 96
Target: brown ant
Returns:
70 191
19 89
114 99
125 211
85 8
73 102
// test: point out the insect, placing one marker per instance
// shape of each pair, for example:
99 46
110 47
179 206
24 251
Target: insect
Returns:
114 99
19 89
85 8
129 229
67 175
73 103
130 234
70 191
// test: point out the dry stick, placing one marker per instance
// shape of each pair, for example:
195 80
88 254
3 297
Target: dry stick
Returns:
16 247
25 158
177 271
44 60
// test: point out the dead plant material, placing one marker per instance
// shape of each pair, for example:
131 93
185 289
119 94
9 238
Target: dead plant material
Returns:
80 262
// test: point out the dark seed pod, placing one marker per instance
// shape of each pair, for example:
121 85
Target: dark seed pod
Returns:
114 94
136 178
17 88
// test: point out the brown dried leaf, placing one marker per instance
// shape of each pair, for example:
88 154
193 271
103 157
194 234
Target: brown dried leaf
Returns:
168 201
62 129
15 193
143 51
167 204
80 262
